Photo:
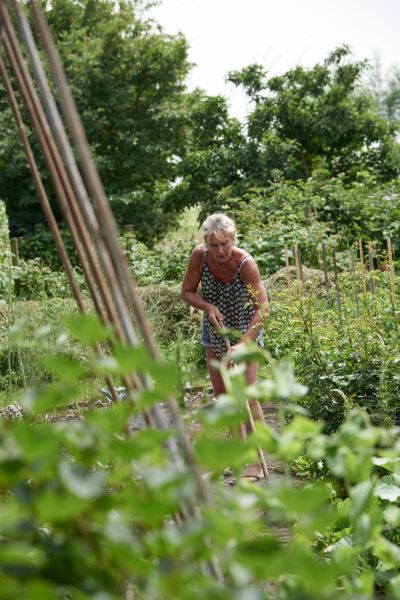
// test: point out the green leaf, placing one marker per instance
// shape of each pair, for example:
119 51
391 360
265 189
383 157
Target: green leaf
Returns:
54 395
391 464
37 441
387 552
20 553
64 368
391 515
57 507
88 329
221 453
388 488
81 482
132 359
360 495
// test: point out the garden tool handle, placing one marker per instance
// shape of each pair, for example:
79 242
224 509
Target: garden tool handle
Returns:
251 421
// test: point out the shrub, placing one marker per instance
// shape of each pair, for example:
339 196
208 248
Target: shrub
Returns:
5 253
310 212
40 244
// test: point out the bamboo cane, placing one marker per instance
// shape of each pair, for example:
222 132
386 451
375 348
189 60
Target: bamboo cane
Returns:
45 204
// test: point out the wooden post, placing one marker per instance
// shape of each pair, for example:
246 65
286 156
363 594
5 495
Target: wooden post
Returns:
371 268
289 279
353 270
129 228
390 270
14 251
362 264
338 299
296 259
300 264
326 279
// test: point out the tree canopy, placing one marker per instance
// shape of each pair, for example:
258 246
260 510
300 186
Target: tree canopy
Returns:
318 118
128 80
160 148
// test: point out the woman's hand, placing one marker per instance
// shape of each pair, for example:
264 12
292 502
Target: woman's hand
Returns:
233 349
215 316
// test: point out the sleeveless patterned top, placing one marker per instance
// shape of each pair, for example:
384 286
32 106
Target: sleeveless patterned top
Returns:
234 301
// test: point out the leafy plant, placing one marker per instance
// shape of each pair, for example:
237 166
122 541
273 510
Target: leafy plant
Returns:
90 509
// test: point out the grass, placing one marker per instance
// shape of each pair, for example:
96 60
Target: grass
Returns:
188 228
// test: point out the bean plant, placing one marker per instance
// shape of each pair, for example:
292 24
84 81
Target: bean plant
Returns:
92 509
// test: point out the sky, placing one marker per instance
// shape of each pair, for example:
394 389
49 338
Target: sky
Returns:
227 35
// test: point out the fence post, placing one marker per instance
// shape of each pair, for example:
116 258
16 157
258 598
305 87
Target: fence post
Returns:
289 279
371 268
129 228
391 270
297 262
339 303
353 270
326 279
14 242
362 264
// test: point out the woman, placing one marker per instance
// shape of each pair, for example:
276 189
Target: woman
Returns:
232 296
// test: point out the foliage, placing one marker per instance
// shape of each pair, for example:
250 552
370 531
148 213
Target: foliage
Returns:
307 213
212 157
30 330
346 359
127 77
5 253
159 264
40 244
88 508
33 280
385 90
308 119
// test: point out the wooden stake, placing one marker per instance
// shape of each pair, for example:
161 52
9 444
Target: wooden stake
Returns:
362 264
289 279
390 270
338 299
297 262
326 279
371 268
14 251
353 270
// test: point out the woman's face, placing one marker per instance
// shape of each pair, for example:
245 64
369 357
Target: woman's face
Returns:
221 247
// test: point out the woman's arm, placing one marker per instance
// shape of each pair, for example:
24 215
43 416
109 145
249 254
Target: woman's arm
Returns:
251 275
190 286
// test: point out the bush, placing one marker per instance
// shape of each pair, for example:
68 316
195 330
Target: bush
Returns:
310 212
160 264
5 253
35 280
40 244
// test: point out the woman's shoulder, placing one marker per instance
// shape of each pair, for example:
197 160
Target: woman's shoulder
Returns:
248 267
197 256
198 251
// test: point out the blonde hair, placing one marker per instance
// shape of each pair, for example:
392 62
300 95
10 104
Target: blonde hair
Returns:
219 225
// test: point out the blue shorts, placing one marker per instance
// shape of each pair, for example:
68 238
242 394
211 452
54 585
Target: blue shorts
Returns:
205 337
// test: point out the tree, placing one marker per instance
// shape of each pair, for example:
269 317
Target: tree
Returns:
212 156
385 91
315 118
127 77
